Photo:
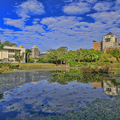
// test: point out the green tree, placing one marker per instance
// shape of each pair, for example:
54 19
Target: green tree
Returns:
28 51
115 53
61 52
9 44
18 57
70 56
1 48
79 54
53 55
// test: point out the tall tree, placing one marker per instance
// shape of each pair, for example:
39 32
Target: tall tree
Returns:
1 47
61 52
18 57
115 53
9 44
79 54
53 55
70 56
28 51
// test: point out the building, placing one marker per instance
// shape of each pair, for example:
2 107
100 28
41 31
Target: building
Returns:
7 53
35 52
43 54
97 45
109 41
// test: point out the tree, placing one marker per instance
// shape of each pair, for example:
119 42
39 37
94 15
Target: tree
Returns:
1 47
61 52
28 51
53 55
115 53
9 44
70 56
79 54
18 57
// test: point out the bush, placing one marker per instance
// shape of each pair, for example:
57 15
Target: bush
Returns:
32 61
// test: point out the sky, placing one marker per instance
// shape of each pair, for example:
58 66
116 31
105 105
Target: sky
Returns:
55 23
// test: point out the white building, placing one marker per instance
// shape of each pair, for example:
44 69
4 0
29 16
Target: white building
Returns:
7 53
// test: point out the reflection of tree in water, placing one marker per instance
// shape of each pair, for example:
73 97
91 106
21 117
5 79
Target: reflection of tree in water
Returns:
1 96
80 77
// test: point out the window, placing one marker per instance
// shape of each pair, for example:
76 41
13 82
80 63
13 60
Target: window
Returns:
115 39
107 40
10 56
11 51
108 89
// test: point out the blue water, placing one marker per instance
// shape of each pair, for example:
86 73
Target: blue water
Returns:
27 93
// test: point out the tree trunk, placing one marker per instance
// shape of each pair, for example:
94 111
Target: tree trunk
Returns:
79 60
61 62
118 59
56 63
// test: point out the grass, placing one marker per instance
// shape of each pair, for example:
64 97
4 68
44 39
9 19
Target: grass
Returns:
88 66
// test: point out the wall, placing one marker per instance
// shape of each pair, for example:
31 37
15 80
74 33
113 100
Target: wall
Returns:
97 45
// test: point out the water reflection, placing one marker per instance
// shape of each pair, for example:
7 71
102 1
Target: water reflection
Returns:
52 92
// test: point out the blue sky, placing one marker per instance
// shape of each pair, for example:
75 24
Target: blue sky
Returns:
55 23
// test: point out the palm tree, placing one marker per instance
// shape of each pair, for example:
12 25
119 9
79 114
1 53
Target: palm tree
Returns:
1 47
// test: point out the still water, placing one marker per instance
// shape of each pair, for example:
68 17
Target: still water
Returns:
53 92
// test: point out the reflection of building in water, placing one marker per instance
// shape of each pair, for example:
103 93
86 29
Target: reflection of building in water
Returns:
11 80
97 85
109 88
34 83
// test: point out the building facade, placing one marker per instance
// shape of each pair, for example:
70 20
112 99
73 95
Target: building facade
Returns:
7 53
108 41
35 51
97 45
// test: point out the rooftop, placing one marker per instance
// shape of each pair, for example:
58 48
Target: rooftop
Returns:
109 33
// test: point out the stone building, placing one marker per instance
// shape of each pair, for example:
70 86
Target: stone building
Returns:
108 41
35 51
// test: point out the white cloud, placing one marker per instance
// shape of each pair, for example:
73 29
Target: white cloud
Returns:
77 8
35 21
31 7
102 6
34 28
106 17
49 20
118 1
89 1
19 23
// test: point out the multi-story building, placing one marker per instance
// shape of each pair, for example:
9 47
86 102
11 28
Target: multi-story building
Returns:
35 51
7 53
108 41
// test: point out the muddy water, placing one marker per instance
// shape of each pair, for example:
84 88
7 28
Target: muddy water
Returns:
53 92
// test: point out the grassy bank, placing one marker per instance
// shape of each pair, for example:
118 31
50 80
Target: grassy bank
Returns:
88 66
6 67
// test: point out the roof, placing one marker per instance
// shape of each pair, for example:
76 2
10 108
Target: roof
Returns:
109 33
8 47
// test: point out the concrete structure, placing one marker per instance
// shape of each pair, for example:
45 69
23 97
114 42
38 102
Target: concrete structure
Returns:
43 54
7 53
97 45
108 41
35 51
109 88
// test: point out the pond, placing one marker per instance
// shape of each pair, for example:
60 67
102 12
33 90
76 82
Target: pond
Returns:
38 93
